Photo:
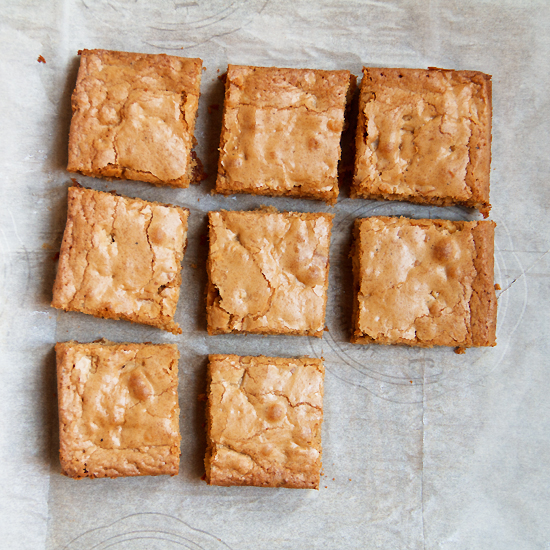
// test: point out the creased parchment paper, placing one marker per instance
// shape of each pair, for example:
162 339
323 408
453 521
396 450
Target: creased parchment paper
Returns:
423 449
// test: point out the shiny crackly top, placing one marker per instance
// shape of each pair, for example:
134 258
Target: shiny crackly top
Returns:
134 116
415 280
418 131
281 130
264 87
270 271
122 256
265 418
115 402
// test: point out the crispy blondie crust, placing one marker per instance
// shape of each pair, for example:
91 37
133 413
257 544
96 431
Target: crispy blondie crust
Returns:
121 258
281 131
118 409
264 419
424 136
134 117
424 282
268 272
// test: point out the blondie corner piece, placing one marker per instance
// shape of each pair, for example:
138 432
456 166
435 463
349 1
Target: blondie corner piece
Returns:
268 272
121 258
281 131
424 136
424 282
134 117
264 417
118 409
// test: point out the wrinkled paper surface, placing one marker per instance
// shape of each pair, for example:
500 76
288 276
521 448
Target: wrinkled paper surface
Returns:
422 449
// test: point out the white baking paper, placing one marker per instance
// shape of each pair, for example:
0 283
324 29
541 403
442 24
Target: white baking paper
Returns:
422 449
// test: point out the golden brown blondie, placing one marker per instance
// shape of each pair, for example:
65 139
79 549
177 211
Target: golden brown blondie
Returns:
424 282
268 272
118 409
424 136
264 419
121 258
281 131
134 117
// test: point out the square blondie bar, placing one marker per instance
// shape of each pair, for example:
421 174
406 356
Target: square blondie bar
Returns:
134 117
424 136
118 409
268 272
121 258
264 417
424 282
281 131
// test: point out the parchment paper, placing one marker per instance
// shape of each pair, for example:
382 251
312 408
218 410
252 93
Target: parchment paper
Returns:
422 449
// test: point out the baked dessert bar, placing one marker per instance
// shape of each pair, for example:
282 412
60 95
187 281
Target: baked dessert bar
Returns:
268 272
121 258
118 409
424 136
281 131
134 117
424 282
264 418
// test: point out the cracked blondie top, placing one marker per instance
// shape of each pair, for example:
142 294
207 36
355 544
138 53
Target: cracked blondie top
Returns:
134 117
121 258
424 136
281 131
268 272
264 418
424 282
118 409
